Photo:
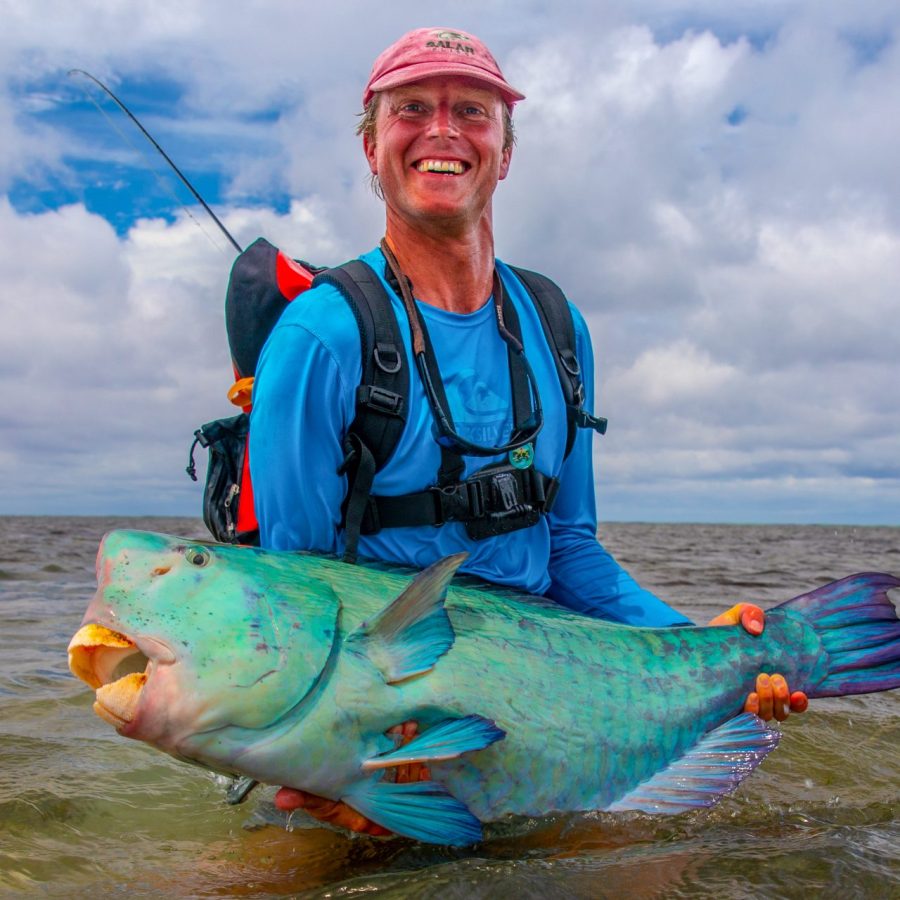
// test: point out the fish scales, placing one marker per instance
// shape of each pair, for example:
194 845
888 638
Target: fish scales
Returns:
290 667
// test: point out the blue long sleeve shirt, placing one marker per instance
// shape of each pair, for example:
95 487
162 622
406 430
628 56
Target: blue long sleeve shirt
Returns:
304 401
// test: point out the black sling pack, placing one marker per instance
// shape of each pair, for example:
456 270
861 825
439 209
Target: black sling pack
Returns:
263 281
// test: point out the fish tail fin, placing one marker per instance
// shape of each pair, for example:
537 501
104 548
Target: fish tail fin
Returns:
859 630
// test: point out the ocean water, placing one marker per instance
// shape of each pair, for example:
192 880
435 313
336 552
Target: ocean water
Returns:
84 812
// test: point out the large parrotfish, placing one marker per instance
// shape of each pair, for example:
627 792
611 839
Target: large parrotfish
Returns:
289 668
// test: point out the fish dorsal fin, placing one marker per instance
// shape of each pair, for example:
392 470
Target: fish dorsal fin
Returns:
445 740
409 636
421 810
713 767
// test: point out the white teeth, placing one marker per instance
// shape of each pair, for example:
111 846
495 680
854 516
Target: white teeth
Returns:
446 166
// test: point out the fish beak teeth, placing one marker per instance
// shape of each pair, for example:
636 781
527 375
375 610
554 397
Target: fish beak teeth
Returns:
95 655
95 651
116 703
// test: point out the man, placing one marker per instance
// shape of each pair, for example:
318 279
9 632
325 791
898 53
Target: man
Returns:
437 134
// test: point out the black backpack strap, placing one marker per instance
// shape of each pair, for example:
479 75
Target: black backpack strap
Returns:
487 502
381 398
559 329
518 379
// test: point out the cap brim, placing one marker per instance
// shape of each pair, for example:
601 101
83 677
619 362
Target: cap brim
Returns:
420 71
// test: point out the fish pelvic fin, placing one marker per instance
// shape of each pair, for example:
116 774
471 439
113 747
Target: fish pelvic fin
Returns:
447 739
422 810
712 768
409 635
859 630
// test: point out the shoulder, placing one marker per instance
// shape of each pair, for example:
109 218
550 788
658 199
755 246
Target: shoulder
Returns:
322 316
514 282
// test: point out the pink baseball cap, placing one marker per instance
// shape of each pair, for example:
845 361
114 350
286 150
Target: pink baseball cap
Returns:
425 52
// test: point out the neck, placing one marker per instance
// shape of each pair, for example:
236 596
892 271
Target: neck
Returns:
453 271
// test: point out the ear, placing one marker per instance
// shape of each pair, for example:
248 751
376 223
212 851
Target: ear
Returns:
369 150
505 160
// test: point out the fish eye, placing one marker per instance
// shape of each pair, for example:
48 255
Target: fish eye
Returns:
197 556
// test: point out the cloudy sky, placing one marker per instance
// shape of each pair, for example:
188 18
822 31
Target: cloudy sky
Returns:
714 183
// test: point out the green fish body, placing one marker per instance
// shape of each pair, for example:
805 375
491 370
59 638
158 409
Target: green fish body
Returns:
289 668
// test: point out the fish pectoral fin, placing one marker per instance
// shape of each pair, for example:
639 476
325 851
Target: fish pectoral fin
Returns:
239 789
445 740
409 635
421 810
712 768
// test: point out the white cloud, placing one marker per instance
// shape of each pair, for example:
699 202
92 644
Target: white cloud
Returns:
115 351
675 374
815 292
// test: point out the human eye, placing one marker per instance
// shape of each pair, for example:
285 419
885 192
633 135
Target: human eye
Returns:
410 108
473 111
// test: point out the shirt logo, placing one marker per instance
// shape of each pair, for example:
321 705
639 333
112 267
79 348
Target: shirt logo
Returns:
481 415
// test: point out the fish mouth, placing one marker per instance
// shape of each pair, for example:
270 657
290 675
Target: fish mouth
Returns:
114 665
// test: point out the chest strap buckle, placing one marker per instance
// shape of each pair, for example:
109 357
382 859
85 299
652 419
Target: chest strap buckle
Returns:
458 502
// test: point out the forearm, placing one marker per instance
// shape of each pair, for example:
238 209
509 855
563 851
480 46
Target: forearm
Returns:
586 578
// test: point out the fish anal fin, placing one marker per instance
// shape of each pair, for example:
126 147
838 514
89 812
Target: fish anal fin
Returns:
712 768
447 739
410 634
422 810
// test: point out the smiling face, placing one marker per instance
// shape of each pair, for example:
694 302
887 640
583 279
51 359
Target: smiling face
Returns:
438 151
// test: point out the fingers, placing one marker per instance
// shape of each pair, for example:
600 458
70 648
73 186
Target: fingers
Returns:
339 813
748 615
411 772
407 731
347 817
729 617
764 689
781 698
336 812
773 699
289 799
753 619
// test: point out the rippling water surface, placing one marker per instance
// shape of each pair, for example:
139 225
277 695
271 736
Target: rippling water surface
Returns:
83 811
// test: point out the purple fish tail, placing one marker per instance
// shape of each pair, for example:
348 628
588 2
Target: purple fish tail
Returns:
859 630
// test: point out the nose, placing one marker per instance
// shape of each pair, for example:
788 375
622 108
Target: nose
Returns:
442 122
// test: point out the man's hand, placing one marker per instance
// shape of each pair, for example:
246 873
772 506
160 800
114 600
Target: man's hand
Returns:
747 614
336 812
772 698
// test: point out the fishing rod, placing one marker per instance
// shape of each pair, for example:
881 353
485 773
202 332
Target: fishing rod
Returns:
239 787
162 153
